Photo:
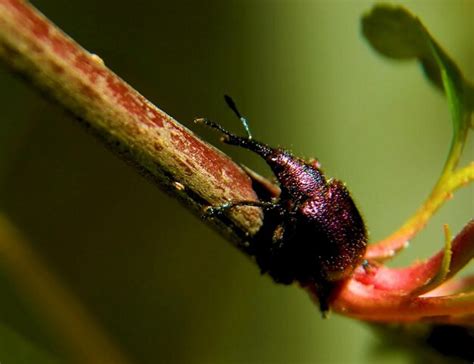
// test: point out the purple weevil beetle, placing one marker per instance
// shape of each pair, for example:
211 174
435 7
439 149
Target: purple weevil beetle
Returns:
313 233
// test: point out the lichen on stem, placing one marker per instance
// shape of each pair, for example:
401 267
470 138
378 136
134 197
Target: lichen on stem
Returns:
199 175
146 137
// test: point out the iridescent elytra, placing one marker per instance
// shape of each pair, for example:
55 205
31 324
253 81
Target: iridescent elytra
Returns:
313 232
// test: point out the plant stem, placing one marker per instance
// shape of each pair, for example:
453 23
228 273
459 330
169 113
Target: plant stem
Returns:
443 191
146 137
161 149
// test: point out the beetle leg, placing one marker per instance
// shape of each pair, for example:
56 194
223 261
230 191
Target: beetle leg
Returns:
324 290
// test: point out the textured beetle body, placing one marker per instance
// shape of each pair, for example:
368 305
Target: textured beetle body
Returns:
318 235
313 233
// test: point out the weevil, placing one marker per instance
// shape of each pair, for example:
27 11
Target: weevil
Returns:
313 232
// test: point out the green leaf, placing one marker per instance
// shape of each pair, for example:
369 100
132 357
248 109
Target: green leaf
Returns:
396 33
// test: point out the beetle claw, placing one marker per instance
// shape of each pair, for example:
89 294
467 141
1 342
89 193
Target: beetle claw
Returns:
211 211
319 212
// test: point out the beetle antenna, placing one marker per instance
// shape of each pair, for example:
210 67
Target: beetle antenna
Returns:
243 120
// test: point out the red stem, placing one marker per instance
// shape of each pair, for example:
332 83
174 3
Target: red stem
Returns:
392 294
147 137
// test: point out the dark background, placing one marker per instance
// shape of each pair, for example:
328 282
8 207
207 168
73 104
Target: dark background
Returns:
165 286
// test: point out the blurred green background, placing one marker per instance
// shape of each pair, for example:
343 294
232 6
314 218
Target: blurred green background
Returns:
166 287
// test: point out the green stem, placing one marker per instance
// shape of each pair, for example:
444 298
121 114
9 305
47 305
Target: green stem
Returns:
442 192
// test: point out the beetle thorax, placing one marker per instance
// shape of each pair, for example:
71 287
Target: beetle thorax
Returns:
297 178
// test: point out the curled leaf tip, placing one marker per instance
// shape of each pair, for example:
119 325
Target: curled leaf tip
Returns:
394 32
